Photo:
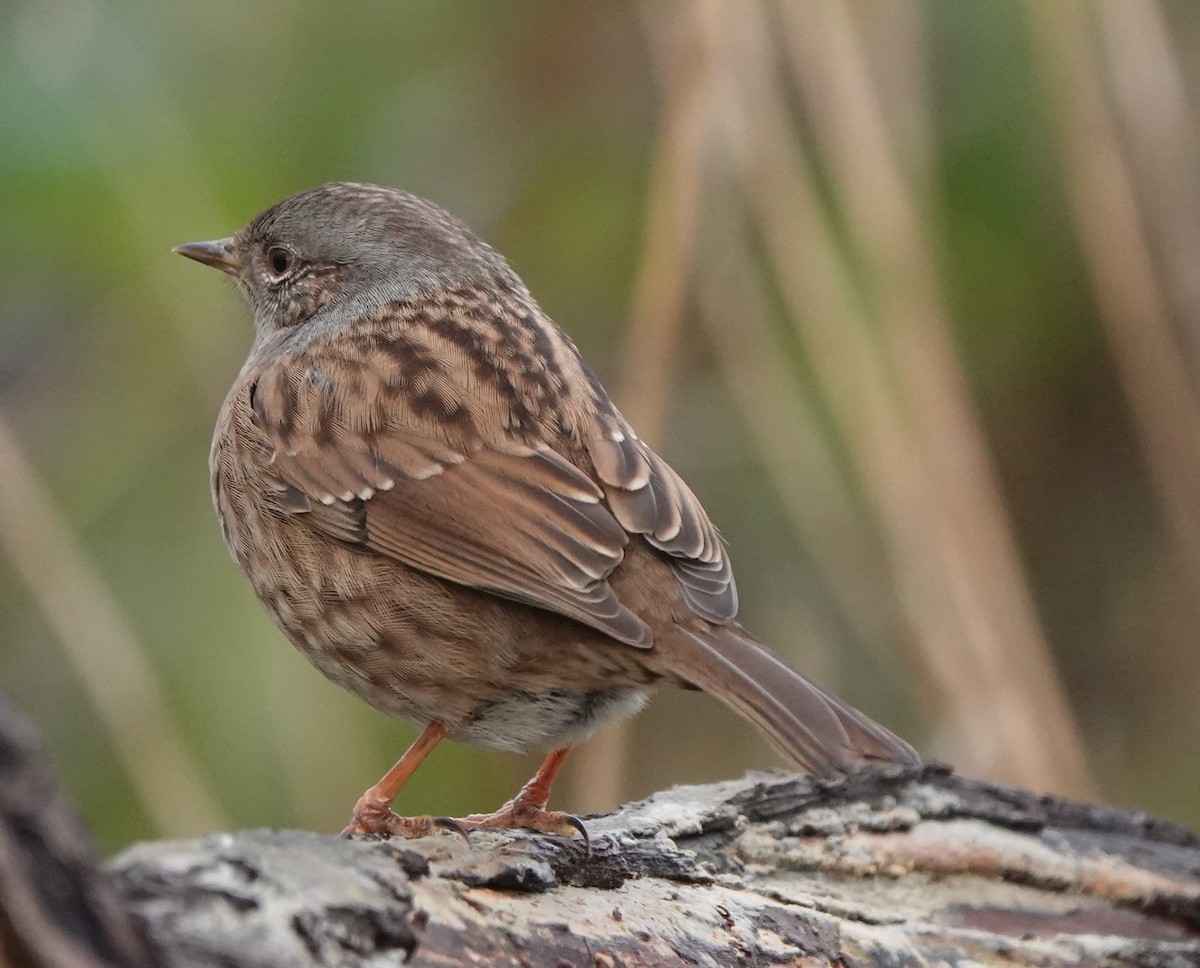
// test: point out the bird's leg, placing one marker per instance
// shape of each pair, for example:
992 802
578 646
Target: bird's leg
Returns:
373 812
527 810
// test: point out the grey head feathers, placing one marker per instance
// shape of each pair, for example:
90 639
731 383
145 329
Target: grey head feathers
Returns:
352 248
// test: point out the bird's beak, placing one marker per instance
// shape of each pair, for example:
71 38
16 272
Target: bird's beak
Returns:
218 253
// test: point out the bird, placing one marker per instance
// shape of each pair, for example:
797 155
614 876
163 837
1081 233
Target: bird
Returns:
437 501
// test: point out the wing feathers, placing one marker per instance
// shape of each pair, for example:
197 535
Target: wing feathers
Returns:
517 519
531 562
491 510
649 498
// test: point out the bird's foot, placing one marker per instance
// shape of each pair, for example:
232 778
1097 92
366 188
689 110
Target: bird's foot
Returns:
373 815
519 814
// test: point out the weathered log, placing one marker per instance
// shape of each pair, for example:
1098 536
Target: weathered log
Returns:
925 868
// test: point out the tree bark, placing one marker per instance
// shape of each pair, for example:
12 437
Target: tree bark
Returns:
924 868
888 869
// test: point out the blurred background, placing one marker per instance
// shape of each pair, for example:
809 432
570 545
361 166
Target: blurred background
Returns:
908 292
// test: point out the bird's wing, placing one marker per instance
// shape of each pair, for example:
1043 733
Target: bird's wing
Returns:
650 499
507 515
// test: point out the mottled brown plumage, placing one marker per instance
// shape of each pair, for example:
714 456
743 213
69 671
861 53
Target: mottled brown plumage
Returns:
438 502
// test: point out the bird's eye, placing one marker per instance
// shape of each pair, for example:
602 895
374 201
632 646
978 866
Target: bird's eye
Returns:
281 259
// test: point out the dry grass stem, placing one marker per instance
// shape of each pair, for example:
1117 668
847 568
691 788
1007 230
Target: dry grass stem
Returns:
928 559
1004 641
1118 253
1150 100
103 650
794 450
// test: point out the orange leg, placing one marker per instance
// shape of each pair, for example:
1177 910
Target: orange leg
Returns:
536 793
527 810
373 812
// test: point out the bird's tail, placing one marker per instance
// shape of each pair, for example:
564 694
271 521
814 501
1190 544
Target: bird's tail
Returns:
808 725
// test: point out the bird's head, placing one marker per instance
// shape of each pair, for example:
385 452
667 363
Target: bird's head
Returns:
328 256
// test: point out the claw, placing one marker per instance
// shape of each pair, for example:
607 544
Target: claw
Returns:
452 826
574 822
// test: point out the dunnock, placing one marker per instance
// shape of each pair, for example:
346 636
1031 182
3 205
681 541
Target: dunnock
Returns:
436 499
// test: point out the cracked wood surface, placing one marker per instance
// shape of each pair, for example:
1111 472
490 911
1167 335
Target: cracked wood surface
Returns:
925 868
